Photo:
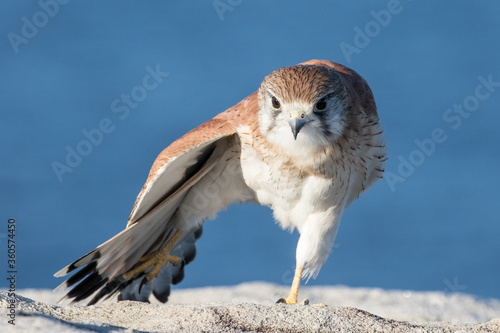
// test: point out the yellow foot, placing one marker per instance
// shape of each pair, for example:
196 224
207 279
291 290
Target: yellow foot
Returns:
291 300
319 304
157 259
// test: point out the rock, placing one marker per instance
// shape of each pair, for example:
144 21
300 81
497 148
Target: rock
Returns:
126 316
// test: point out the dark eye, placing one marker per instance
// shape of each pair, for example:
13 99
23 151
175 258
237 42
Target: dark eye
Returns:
276 104
321 104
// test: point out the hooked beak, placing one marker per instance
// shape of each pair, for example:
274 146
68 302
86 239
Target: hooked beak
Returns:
296 124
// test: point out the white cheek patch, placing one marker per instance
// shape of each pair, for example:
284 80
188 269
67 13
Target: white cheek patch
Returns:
266 120
336 125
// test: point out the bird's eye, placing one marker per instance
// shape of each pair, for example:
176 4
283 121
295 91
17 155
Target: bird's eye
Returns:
276 104
321 104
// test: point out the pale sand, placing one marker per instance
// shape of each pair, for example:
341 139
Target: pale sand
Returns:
250 307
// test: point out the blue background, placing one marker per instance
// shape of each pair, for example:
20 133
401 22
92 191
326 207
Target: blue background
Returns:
437 230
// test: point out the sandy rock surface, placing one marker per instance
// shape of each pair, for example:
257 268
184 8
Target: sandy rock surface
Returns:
247 308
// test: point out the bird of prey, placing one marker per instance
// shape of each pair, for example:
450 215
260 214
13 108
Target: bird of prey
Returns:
306 144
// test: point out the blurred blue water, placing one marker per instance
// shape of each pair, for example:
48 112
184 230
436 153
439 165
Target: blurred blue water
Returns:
437 230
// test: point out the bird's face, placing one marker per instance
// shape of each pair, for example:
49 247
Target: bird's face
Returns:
302 107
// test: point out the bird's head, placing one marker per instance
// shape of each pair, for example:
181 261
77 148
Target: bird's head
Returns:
302 107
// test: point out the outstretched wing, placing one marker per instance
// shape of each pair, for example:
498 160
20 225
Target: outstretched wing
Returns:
167 204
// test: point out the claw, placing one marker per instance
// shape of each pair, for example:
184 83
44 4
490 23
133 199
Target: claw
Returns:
287 300
319 304
293 301
157 259
143 282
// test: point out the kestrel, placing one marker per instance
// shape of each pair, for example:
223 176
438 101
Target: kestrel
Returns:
306 144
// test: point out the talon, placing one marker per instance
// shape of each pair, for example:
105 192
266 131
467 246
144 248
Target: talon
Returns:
174 260
143 282
319 304
157 259
287 300
305 302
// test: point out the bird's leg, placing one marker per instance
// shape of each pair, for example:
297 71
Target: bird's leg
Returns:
157 259
294 291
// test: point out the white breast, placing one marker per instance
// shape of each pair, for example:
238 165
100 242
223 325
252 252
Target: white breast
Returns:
310 192
293 196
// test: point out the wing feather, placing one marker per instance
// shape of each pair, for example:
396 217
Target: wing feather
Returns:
176 170
175 164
